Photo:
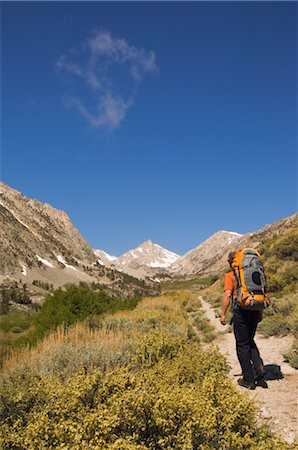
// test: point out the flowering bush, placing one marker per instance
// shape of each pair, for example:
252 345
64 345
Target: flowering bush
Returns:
169 394
172 395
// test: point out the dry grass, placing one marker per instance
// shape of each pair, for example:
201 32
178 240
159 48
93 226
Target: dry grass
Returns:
165 302
99 342
79 337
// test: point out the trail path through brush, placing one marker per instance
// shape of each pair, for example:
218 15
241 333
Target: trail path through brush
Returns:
279 402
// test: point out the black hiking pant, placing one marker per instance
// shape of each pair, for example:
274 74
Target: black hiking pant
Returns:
245 325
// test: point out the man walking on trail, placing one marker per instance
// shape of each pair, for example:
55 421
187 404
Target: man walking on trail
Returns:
245 324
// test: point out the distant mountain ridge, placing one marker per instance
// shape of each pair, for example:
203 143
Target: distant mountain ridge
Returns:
149 258
39 246
208 258
34 236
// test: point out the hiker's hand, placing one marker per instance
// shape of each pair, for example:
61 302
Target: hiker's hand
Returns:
223 319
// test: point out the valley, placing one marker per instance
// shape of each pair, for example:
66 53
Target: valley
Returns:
137 335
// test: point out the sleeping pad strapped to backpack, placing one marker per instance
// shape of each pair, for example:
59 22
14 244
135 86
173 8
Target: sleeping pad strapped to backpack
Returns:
250 280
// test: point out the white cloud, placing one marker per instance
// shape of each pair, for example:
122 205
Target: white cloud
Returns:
111 111
112 70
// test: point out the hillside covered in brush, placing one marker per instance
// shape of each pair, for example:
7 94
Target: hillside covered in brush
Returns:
280 254
136 380
276 242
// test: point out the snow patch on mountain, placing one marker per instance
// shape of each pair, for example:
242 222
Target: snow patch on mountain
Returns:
104 258
44 261
62 261
232 233
100 262
164 261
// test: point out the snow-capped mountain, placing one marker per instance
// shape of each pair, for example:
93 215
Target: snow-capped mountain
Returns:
148 255
40 246
202 256
38 241
103 258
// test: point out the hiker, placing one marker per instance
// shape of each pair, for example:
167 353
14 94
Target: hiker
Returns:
245 318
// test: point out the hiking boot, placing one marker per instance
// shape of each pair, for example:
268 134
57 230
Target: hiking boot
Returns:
259 373
246 384
262 383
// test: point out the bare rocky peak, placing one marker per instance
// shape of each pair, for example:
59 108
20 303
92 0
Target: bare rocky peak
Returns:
196 260
32 232
210 257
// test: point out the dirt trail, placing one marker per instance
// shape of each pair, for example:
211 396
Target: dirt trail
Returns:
279 403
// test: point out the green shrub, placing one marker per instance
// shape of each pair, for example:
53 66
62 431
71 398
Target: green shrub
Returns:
17 319
214 300
202 324
283 247
102 342
285 305
192 283
292 356
281 318
182 399
168 394
274 325
287 248
66 307
192 304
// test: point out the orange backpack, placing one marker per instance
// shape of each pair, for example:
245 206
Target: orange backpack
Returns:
250 280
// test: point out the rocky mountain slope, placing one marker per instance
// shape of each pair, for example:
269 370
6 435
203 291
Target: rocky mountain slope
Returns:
40 242
35 234
198 259
256 239
210 257
39 246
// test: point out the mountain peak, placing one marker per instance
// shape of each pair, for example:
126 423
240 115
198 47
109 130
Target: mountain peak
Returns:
233 233
195 260
147 255
147 243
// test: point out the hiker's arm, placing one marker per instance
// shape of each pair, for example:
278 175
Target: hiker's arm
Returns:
225 305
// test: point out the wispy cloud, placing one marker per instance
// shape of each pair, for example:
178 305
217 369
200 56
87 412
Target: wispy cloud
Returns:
111 69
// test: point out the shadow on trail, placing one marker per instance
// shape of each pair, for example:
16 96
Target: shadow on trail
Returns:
272 372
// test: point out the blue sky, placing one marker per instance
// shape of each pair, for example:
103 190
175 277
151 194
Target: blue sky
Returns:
165 121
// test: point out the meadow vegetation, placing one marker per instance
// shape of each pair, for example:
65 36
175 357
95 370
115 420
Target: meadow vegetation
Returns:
189 284
61 308
281 319
280 255
132 380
